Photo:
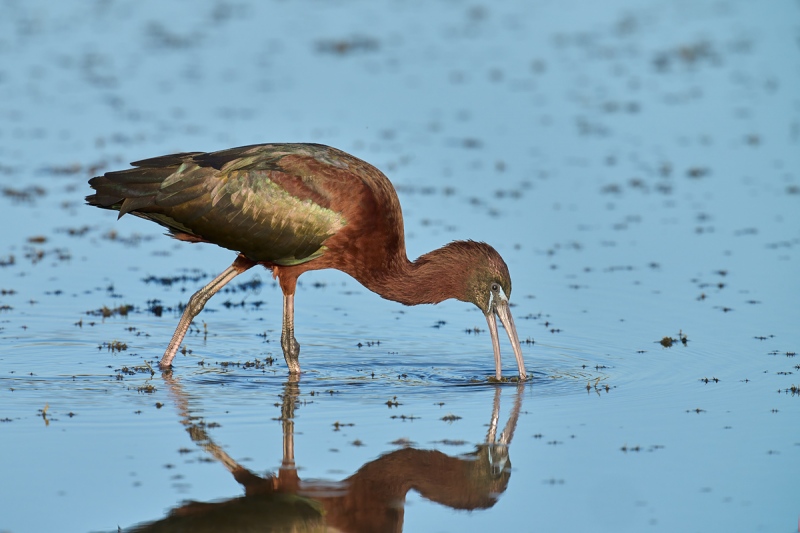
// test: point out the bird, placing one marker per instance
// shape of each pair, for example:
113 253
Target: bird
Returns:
298 207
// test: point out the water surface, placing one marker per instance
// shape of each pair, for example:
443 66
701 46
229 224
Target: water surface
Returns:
636 164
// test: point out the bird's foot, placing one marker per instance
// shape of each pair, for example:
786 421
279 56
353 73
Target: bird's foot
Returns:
291 353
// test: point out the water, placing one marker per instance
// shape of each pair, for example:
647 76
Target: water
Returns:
636 164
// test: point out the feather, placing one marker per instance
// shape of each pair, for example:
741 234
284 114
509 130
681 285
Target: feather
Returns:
265 201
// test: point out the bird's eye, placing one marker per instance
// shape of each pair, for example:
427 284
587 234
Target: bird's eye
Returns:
495 287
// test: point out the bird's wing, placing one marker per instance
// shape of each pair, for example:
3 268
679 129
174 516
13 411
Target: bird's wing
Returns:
269 202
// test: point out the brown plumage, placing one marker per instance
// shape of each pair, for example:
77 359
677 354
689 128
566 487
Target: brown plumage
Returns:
299 207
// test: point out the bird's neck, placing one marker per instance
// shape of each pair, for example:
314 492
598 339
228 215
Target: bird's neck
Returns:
431 279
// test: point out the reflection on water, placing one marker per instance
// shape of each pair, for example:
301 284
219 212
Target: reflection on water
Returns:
370 500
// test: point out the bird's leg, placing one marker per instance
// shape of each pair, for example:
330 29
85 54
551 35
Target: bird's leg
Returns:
291 348
196 304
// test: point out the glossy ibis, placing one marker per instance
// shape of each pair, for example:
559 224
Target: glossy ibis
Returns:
299 207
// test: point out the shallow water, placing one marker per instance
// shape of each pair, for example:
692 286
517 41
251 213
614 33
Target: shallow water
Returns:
636 165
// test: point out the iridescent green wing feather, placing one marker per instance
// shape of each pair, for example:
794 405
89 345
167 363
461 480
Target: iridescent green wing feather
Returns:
251 199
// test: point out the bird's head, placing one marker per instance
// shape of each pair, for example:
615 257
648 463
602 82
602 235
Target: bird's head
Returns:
488 286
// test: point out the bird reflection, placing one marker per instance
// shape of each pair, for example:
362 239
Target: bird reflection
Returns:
371 500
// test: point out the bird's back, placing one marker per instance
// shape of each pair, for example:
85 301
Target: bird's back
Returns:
284 204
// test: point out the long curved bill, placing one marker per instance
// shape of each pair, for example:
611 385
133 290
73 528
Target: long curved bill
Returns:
502 310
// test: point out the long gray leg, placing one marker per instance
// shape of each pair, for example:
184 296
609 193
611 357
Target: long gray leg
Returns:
196 304
291 348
